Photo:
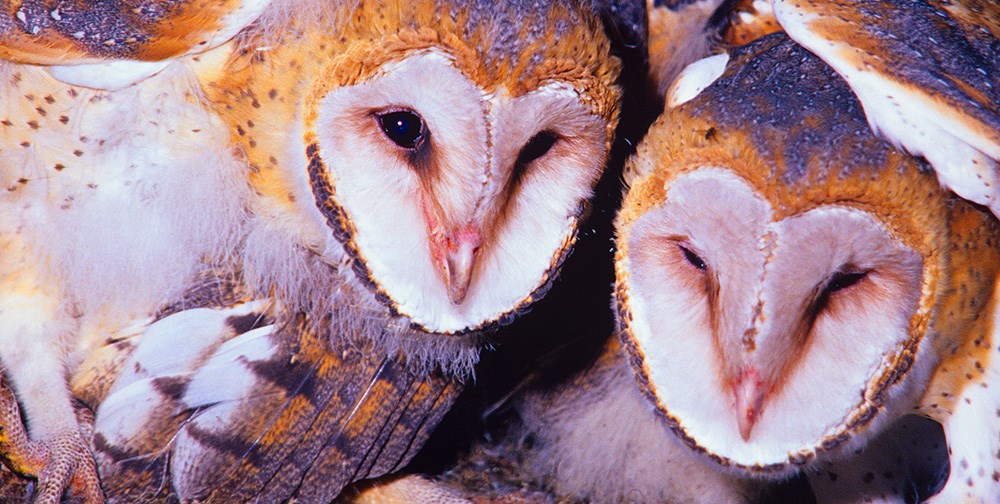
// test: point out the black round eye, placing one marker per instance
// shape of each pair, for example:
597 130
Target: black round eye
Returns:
693 258
843 280
404 127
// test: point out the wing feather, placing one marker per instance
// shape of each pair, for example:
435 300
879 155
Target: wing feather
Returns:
256 410
114 44
926 72
162 385
962 394
342 414
42 32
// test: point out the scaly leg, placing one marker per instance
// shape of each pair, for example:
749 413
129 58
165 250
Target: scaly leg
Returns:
63 462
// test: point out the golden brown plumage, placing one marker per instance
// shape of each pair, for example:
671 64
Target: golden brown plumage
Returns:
926 73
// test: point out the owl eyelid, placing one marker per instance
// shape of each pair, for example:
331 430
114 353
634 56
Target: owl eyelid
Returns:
844 278
537 147
692 258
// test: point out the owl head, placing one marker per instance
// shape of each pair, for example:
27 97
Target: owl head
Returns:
785 280
439 153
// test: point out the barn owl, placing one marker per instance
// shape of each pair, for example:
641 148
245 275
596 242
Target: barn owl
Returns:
789 286
593 437
282 226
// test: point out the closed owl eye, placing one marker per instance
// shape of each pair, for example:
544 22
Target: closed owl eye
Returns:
537 147
844 279
404 127
692 258
840 281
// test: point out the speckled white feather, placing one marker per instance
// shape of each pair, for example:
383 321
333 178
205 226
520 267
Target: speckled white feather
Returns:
975 464
116 74
695 78
153 194
160 194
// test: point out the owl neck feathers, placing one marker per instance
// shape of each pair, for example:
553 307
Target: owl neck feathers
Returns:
320 283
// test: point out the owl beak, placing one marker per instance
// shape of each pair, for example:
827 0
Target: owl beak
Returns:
749 393
461 249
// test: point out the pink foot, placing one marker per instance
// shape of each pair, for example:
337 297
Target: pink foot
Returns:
62 463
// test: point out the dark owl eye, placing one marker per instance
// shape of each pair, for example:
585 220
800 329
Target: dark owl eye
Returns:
693 258
843 280
404 127
538 146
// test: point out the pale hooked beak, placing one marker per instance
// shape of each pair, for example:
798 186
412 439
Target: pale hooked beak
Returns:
749 392
460 251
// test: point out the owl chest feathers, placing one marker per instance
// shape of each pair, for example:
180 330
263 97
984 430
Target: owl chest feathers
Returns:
117 196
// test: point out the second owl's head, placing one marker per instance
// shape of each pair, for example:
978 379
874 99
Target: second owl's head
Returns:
779 268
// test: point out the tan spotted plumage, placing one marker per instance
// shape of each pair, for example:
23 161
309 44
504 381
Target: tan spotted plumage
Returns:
219 229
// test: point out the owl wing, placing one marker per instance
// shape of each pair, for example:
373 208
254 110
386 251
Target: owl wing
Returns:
229 405
964 400
905 463
927 74
116 43
962 393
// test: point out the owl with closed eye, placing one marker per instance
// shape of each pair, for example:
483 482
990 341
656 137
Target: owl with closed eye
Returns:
265 240
789 292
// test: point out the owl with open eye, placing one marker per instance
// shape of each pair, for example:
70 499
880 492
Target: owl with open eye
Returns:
266 240
789 286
